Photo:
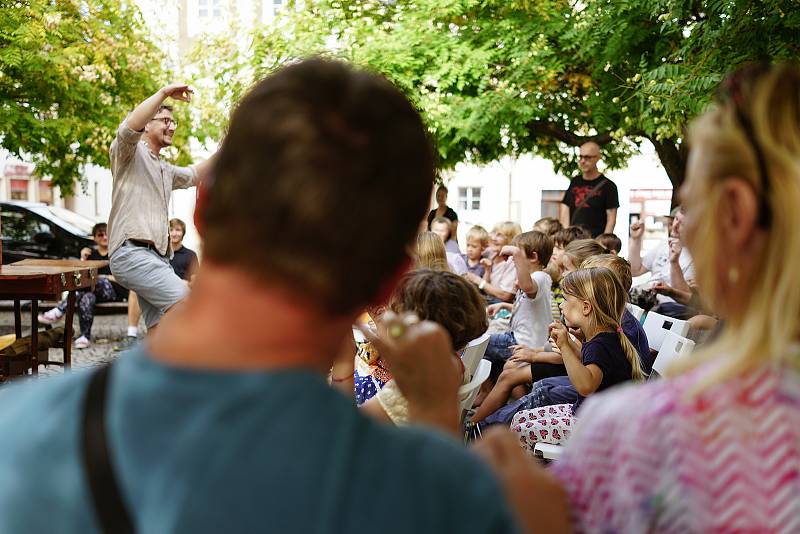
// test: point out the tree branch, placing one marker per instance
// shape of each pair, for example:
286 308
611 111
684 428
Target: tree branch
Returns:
552 130
673 158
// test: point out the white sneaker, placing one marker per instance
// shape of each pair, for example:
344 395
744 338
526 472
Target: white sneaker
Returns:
82 343
51 316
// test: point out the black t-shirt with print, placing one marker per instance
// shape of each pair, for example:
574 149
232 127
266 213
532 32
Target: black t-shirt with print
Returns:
588 201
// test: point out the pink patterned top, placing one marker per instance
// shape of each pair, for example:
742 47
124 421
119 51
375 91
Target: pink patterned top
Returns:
648 459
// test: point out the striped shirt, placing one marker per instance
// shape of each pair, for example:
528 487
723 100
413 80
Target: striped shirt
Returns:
653 459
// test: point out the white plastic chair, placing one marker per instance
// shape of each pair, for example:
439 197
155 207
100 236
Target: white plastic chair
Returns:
673 348
656 327
635 310
472 354
548 451
469 391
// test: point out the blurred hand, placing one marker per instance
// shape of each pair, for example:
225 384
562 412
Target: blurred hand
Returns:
523 354
536 497
675 248
663 288
178 91
492 309
637 230
420 358
509 250
559 334
85 253
487 263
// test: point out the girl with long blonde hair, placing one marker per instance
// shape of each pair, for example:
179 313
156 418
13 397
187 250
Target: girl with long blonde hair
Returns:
594 304
430 253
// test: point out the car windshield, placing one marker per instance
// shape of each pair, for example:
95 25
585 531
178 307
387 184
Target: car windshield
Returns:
76 220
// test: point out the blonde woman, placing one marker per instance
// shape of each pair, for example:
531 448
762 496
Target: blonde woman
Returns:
717 447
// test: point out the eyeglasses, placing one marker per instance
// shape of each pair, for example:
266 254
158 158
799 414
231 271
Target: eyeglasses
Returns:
167 121
732 92
587 156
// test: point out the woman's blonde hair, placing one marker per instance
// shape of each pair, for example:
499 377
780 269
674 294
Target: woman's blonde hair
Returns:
602 289
510 229
754 136
430 253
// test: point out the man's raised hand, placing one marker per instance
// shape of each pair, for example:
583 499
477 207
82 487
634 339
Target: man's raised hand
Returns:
178 91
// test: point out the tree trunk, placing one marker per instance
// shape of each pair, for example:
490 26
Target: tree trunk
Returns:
673 157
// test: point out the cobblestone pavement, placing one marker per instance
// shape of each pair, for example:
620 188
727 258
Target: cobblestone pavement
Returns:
107 331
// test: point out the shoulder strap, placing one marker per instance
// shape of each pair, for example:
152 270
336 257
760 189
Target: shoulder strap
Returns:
109 507
586 200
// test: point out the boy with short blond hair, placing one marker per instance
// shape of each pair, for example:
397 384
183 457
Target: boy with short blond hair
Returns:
477 242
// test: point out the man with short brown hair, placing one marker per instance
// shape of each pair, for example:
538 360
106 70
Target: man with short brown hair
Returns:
224 419
139 247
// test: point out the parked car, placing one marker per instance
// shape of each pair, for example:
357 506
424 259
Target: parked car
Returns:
36 230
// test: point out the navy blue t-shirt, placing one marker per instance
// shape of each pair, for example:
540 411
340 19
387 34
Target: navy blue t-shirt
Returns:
634 331
605 351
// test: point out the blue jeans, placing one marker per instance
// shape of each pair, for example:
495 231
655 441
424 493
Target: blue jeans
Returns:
498 352
546 392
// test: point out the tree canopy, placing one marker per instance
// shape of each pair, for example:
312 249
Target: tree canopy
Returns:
497 77
69 72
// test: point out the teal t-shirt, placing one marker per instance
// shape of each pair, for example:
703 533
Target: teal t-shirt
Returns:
205 451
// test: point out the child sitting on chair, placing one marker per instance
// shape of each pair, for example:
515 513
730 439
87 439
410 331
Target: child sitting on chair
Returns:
438 296
594 304
530 313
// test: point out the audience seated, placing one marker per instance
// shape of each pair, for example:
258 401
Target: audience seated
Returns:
530 313
477 243
443 227
548 226
558 389
670 263
595 302
499 278
611 242
437 296
430 253
105 290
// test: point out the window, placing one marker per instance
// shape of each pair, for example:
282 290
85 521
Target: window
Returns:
469 198
203 13
19 189
19 226
551 199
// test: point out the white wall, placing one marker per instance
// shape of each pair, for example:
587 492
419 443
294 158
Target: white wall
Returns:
512 190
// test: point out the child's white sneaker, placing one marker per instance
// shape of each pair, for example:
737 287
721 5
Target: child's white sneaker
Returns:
51 316
82 343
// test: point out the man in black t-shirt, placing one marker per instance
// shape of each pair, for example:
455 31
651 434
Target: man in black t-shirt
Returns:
591 198
184 260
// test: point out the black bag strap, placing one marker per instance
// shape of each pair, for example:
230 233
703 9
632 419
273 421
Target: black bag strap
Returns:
585 202
108 505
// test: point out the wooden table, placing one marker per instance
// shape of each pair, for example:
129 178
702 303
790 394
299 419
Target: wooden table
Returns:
36 280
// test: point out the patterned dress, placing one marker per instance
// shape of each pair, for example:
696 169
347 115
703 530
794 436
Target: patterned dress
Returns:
656 459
